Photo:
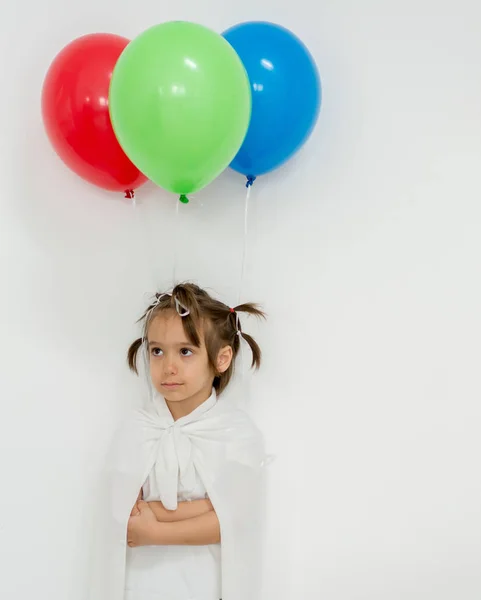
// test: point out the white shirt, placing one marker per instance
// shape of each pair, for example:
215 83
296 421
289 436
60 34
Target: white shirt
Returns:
175 572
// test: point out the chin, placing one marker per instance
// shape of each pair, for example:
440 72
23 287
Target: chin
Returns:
176 395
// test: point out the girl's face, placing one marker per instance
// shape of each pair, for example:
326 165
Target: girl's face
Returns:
180 371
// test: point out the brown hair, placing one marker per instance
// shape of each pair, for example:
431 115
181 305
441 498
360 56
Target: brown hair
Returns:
220 324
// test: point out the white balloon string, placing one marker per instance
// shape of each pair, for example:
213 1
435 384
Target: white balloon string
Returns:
176 239
143 234
244 245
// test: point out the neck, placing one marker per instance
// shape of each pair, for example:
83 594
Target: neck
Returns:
185 407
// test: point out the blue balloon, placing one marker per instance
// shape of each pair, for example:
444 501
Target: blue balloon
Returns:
286 95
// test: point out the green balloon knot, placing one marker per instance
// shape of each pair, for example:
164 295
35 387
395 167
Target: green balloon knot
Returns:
183 198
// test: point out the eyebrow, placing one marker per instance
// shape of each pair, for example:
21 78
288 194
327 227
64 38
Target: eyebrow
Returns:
180 344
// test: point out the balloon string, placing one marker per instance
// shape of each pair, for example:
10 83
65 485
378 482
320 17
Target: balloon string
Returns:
175 244
144 236
244 249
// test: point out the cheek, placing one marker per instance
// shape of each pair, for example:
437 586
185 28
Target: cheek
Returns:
155 367
204 370
195 368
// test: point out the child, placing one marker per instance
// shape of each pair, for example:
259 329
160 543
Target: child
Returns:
194 531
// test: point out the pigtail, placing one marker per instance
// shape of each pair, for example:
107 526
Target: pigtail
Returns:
132 355
255 349
251 308
254 310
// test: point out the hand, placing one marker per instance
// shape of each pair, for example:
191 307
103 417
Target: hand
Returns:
184 510
135 509
142 528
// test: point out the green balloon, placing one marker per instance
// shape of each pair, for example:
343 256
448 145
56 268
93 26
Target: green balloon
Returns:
180 104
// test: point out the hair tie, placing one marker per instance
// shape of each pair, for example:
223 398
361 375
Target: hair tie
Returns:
232 310
181 309
237 325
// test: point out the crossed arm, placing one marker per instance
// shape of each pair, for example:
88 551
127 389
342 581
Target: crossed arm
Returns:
194 523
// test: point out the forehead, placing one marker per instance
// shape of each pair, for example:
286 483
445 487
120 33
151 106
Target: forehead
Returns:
167 327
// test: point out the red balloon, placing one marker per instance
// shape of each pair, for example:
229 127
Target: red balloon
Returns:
75 110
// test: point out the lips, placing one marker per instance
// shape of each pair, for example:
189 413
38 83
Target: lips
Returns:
170 385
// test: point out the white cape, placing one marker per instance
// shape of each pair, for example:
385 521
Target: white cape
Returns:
227 450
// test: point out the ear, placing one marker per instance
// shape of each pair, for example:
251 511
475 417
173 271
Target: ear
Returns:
224 359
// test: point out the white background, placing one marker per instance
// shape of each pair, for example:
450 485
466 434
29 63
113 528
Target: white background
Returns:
365 251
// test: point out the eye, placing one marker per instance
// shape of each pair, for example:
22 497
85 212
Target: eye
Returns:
186 352
156 352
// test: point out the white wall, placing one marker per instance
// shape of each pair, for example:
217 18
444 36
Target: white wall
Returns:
365 251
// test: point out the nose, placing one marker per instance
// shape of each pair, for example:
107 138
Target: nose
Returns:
170 365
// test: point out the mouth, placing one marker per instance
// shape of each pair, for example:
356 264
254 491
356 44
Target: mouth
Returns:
170 386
